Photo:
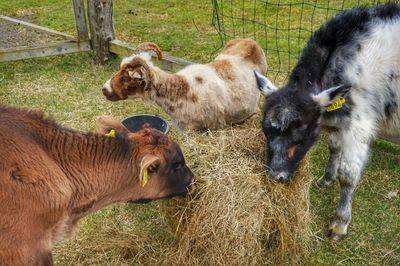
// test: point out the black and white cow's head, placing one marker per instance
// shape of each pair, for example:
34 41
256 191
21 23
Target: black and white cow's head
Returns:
291 124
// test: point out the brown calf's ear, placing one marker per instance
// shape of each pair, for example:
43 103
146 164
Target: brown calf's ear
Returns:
149 162
146 126
143 135
105 125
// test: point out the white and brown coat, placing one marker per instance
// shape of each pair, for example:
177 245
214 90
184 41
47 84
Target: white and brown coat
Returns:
200 96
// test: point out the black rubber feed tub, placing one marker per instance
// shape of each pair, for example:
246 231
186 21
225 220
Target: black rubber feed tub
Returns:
135 123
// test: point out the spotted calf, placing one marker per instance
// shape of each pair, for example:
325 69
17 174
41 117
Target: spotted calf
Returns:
200 96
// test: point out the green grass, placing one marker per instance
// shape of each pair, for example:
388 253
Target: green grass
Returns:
375 232
68 88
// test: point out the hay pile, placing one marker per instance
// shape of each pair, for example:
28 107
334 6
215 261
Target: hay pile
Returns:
238 216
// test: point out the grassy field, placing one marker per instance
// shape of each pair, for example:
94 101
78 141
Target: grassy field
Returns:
68 88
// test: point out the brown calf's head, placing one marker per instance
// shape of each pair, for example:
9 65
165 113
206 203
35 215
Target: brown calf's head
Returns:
134 77
159 162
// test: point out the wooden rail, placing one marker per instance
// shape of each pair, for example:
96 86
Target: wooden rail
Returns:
70 45
56 48
37 27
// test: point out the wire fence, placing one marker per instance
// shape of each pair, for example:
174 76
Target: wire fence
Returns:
282 27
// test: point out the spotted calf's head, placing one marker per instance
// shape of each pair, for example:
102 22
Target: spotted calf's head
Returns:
160 170
291 124
134 78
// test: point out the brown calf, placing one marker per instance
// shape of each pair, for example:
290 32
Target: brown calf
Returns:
50 177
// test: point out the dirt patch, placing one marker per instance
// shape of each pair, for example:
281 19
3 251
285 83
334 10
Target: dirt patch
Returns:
16 35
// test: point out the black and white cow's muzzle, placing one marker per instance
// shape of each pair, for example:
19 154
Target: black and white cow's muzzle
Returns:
279 172
279 176
284 158
279 167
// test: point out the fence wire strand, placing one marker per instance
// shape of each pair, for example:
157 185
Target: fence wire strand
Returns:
281 27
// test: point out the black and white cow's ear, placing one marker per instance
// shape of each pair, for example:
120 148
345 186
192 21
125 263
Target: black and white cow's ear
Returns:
264 84
329 96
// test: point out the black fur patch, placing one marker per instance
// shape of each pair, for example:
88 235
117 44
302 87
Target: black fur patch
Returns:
391 104
390 108
392 76
340 31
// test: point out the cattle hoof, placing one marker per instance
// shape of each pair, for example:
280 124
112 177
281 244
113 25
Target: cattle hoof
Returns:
323 183
335 237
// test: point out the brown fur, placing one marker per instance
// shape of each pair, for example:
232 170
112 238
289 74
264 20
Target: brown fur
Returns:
125 86
291 151
224 69
50 177
194 98
248 50
173 88
199 79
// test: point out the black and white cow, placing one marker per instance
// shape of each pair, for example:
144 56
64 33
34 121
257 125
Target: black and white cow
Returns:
347 79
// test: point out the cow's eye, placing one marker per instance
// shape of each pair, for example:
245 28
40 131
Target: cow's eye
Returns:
153 168
177 165
125 78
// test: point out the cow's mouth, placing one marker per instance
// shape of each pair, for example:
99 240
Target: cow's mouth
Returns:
190 189
111 96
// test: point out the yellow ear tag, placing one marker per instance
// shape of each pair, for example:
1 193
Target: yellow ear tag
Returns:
110 134
336 105
145 178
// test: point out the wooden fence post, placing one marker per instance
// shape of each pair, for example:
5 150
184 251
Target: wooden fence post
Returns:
101 24
80 20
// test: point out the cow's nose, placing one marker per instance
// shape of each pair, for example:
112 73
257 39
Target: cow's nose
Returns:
105 91
282 177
